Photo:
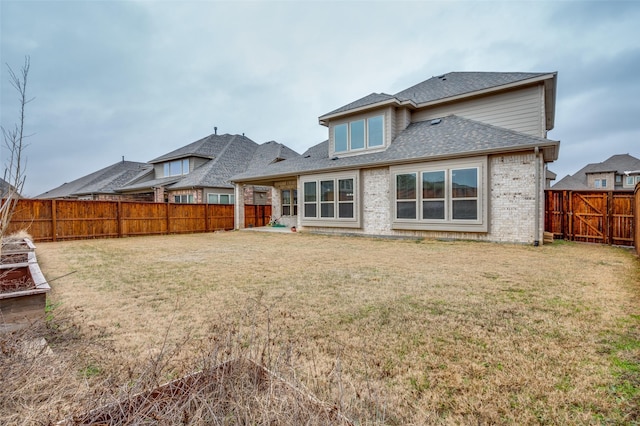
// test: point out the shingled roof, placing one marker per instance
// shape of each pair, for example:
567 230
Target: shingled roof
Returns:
617 164
103 181
440 88
450 137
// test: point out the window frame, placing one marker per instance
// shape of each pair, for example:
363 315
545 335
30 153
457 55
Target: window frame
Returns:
184 164
217 196
448 223
177 199
292 205
313 202
346 129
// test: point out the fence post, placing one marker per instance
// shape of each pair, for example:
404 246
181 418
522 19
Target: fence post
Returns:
609 224
168 218
54 224
119 218
206 217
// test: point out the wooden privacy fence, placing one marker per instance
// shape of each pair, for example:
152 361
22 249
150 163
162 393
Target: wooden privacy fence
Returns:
636 206
256 215
56 220
592 216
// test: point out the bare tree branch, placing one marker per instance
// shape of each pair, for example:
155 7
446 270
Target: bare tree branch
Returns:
14 140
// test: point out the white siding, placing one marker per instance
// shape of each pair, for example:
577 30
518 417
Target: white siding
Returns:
520 110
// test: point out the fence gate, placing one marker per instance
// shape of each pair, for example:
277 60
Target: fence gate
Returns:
591 216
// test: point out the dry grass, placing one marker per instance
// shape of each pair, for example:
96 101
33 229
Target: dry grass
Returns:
388 331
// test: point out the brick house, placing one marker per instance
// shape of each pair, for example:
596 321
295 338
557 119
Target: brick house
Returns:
459 156
195 173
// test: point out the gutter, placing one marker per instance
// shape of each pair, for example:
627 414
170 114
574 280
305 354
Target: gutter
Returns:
536 238
400 161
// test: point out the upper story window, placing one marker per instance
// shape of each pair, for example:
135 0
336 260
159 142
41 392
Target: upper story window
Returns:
601 183
359 134
176 168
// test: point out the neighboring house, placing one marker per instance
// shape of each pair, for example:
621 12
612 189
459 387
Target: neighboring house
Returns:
102 184
196 173
461 156
618 172
6 188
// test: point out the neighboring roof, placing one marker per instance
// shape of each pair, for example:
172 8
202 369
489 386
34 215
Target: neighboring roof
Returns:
104 181
447 86
270 152
5 188
451 137
226 154
550 175
234 155
617 164
207 147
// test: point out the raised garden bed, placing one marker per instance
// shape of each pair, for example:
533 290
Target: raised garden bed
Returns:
23 288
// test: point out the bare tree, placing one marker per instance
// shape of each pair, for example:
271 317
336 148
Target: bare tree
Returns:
15 163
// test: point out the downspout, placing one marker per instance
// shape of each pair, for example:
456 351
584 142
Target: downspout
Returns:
536 238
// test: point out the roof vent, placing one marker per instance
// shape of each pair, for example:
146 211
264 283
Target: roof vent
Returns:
436 121
307 156
334 158
215 130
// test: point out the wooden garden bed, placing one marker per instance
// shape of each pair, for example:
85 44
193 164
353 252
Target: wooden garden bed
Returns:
23 288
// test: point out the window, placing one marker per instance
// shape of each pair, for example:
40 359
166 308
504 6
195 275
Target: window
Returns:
289 202
176 168
359 134
601 183
220 199
618 179
330 200
440 196
183 199
629 180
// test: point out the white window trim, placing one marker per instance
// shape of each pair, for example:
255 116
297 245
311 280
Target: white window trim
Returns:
337 222
479 225
293 206
167 165
366 148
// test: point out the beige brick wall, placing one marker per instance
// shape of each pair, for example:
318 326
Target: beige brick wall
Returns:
511 201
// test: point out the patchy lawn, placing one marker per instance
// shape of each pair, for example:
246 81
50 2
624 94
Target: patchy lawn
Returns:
390 331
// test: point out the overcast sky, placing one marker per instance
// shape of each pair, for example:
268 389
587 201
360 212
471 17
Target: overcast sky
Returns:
141 78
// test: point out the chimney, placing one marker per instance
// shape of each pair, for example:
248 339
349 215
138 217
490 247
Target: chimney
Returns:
215 130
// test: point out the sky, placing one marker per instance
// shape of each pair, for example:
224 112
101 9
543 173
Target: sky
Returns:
138 79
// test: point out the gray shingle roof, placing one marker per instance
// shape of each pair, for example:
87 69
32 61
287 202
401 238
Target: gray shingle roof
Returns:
452 137
5 188
235 155
617 164
207 147
103 181
442 87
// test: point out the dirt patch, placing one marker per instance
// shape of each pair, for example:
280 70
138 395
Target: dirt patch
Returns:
390 331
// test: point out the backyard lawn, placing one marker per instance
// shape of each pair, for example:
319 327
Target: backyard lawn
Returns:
387 331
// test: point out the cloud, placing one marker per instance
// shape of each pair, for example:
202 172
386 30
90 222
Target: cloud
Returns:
141 78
